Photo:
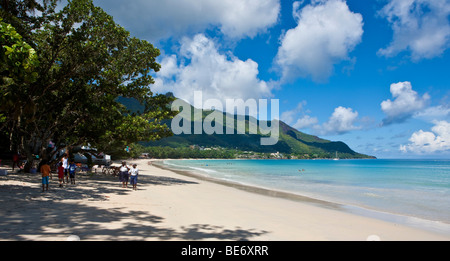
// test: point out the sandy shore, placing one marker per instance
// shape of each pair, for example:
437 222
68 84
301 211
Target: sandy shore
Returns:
171 206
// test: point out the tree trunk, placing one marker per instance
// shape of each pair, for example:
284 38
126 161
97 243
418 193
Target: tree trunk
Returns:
29 164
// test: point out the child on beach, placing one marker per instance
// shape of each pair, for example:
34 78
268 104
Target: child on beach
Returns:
60 174
72 170
133 176
46 172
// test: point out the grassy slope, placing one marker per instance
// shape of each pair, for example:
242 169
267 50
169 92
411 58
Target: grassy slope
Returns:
290 141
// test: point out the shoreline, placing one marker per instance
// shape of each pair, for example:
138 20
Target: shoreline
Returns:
434 226
170 206
252 188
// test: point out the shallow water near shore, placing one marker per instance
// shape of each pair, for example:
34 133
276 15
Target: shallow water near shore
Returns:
415 192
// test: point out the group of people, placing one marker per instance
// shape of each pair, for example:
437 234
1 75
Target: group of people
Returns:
128 173
67 170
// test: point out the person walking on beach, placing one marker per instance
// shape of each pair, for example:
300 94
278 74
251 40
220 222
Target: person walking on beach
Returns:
46 173
65 163
15 161
60 174
123 174
133 176
72 170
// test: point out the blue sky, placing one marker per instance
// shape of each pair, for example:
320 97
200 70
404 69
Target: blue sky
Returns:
372 73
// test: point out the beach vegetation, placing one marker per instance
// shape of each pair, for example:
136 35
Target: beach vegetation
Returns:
62 73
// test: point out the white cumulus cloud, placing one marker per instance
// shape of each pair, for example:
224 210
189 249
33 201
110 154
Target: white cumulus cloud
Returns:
155 19
439 112
298 118
425 142
305 122
290 116
326 33
406 103
421 27
341 121
201 67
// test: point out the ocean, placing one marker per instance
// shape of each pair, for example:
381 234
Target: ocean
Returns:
414 192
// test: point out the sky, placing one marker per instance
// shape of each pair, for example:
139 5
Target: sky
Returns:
373 74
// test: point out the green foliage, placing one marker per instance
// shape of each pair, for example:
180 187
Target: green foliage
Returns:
18 62
160 152
18 59
86 61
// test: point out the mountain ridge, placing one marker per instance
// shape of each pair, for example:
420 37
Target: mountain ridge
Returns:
290 141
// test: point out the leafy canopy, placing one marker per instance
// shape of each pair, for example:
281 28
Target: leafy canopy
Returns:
85 62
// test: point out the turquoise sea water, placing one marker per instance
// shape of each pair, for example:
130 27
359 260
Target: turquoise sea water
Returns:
417 189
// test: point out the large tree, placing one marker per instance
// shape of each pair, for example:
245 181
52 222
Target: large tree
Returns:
86 61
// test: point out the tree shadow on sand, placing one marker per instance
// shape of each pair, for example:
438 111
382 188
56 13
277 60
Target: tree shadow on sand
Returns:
27 213
163 181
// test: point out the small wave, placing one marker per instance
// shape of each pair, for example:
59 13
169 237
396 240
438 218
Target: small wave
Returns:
204 170
171 164
372 195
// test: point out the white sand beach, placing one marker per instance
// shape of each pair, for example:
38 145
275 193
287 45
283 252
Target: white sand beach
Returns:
171 206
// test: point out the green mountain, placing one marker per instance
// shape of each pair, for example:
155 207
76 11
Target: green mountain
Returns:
291 141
